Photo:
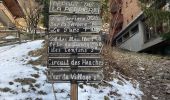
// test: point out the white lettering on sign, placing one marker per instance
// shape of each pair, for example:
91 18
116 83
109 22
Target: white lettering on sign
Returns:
75 50
75 62
75 38
79 7
59 62
77 76
62 18
95 29
68 44
72 21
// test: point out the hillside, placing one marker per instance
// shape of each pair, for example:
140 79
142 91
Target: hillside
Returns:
152 72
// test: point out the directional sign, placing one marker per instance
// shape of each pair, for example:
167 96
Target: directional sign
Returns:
74 62
72 21
75 38
57 76
79 69
94 29
78 44
59 50
75 6
54 49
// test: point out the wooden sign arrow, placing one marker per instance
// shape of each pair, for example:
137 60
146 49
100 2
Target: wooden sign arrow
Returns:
73 62
57 76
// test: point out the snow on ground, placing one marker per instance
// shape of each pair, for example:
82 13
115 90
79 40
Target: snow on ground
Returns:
10 37
22 81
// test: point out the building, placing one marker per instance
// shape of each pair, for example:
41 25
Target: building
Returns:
134 34
122 14
10 15
10 10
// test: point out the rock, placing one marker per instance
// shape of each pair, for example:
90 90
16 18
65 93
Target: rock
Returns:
167 76
168 91
81 86
141 68
11 83
120 83
38 99
62 91
37 85
28 98
25 81
42 92
35 75
101 91
6 89
34 89
114 93
106 98
23 90
154 97
148 82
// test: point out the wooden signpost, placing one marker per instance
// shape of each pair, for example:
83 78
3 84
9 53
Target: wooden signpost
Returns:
74 43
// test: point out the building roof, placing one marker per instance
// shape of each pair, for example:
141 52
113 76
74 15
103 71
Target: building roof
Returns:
14 8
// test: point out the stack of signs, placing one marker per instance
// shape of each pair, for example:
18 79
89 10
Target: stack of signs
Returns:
74 42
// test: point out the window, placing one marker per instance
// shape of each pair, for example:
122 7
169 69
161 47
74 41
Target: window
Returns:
126 36
135 29
119 40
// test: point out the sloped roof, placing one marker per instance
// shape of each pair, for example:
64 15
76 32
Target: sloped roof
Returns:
14 8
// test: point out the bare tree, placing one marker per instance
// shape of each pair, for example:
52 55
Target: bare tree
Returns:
32 10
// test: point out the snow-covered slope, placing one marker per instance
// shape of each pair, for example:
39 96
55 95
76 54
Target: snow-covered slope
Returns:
22 81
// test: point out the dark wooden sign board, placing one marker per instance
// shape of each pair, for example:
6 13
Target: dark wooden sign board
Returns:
77 38
93 29
76 70
78 76
79 69
71 24
79 21
79 44
59 50
75 6
74 62
74 18
53 39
